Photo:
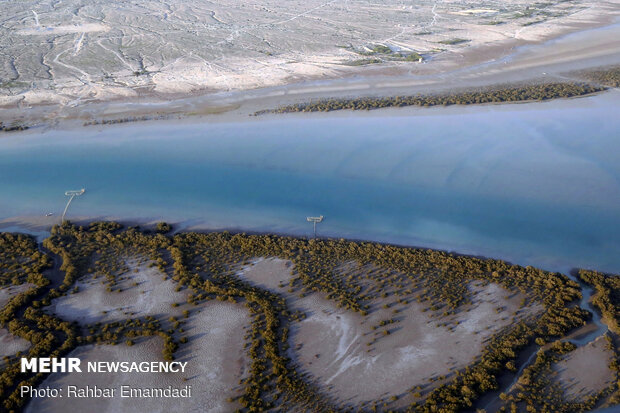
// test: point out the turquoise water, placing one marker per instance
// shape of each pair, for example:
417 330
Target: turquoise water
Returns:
535 184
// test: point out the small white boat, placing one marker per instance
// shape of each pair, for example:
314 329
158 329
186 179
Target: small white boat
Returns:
49 214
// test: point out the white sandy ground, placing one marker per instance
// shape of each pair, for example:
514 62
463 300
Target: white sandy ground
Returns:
215 351
92 51
550 61
215 357
586 370
10 344
331 343
92 303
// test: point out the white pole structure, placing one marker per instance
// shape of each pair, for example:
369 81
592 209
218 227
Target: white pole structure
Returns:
314 221
71 195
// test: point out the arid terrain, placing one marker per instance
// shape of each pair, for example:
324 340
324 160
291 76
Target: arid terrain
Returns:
583 371
76 51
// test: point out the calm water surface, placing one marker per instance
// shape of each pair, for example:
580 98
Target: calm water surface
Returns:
533 183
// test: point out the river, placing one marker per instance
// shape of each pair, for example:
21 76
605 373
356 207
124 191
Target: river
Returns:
536 184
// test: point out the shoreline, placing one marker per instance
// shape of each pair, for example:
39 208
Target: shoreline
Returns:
499 95
306 107
548 61
32 226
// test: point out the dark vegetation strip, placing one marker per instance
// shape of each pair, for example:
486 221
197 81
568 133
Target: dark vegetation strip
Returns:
609 76
607 297
205 265
124 120
13 127
507 94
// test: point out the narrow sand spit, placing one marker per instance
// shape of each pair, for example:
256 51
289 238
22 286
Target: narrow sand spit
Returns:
142 293
585 371
339 347
215 356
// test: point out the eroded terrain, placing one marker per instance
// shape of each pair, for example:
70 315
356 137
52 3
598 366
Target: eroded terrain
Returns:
74 51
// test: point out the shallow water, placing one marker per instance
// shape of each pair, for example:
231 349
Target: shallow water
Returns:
537 184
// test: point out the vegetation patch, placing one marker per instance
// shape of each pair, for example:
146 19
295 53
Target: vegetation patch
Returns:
206 266
607 297
609 76
381 54
538 92
453 41
536 391
12 127
363 62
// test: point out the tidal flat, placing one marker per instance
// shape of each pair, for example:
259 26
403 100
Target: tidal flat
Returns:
270 322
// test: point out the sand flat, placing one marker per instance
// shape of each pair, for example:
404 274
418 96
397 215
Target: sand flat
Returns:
585 371
339 347
93 303
10 344
215 357
214 352
334 344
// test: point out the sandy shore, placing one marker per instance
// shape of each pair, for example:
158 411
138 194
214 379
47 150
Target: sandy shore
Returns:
496 54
